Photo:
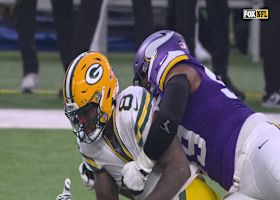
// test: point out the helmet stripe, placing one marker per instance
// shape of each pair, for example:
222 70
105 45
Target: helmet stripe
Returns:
152 48
69 77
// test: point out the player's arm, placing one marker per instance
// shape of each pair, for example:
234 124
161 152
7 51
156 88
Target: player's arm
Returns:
95 177
175 172
105 187
88 176
181 81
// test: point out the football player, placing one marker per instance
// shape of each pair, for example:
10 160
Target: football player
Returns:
111 130
235 146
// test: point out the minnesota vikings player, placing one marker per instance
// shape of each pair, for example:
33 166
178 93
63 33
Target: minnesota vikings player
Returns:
111 129
235 146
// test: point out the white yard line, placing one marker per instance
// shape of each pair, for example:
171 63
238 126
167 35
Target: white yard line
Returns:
33 118
51 119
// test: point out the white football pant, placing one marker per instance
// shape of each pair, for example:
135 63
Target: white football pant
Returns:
257 168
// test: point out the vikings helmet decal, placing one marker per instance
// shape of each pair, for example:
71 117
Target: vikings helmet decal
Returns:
159 51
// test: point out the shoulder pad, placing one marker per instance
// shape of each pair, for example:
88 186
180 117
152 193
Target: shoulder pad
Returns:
134 110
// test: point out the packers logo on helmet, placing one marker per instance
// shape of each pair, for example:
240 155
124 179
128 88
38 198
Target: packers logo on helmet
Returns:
90 88
94 74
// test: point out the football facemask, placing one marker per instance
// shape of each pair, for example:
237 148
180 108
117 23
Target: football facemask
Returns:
88 122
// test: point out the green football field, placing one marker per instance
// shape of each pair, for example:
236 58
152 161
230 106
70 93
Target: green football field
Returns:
35 162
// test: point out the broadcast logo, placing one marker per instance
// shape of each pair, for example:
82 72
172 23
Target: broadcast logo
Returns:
261 14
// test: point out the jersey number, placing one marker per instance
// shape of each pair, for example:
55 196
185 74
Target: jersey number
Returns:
226 91
191 141
126 102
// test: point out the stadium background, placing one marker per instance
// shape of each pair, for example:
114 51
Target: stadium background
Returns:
35 162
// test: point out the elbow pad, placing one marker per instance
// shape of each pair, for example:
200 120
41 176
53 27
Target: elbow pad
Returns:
171 111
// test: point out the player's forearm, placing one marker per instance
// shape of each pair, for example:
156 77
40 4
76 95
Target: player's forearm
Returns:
106 196
165 124
126 193
169 185
175 173
105 187
106 193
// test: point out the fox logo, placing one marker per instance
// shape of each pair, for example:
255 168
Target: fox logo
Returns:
248 14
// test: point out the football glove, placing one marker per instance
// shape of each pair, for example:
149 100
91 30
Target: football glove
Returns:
65 195
86 175
135 173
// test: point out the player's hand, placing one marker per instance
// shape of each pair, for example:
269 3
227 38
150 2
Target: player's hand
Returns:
135 173
132 177
86 175
65 195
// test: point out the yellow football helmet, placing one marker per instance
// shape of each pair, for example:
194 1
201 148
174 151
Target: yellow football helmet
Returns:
90 88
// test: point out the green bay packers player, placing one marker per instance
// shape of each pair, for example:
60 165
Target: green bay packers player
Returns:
111 129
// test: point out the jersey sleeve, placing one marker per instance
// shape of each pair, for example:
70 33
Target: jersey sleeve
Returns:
162 64
134 111
90 163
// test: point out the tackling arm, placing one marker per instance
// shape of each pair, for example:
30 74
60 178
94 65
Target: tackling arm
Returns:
175 172
181 81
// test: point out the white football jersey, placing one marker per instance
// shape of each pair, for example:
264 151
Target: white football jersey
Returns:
131 122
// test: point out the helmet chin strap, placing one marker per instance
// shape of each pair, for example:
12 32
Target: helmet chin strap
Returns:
93 136
97 134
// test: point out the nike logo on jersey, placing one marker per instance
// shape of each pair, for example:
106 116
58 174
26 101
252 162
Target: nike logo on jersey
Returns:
164 127
263 144
136 107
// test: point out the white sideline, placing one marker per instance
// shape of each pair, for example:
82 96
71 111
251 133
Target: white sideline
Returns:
51 118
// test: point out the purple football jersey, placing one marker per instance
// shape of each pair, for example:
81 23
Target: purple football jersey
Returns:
211 123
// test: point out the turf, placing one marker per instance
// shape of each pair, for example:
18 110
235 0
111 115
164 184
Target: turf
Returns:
34 164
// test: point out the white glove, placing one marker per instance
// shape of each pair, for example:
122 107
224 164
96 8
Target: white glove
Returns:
86 175
135 173
65 195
